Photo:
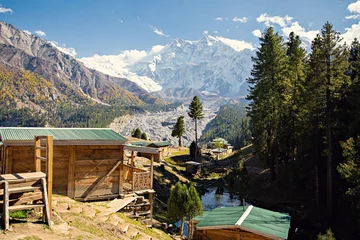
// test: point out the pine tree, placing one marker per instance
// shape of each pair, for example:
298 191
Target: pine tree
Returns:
194 208
177 204
136 133
144 136
267 95
178 130
327 77
195 112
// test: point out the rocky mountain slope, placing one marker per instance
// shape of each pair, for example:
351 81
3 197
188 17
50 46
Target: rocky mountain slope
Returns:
214 66
20 50
158 126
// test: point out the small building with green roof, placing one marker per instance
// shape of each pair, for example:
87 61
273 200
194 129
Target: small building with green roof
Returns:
239 223
88 163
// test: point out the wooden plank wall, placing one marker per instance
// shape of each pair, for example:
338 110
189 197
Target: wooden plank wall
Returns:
227 234
23 161
91 164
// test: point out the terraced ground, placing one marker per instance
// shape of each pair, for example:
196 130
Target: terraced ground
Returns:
76 220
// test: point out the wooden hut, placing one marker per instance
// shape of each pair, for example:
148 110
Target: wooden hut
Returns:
87 164
242 223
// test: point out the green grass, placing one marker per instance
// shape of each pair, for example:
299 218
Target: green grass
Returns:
182 152
21 214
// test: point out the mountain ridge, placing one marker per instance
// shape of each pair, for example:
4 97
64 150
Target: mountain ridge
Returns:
21 50
212 64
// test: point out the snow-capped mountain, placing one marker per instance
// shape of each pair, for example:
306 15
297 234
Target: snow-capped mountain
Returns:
213 65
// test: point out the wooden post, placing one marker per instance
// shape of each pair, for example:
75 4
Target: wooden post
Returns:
49 174
152 170
6 206
71 173
9 160
47 209
37 152
121 174
151 207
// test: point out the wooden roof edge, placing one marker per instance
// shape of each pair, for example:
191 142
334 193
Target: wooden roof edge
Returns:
217 227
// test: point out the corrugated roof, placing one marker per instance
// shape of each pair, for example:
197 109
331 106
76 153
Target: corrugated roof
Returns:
143 144
160 144
69 134
258 220
266 221
223 216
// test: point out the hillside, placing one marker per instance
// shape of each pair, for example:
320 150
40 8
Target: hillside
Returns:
20 50
226 124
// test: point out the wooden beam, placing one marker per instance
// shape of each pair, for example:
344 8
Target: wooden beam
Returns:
6 206
101 180
71 172
152 170
47 210
49 174
10 160
37 152
121 169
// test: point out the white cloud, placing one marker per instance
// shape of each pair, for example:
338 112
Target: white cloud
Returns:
351 33
257 33
40 33
121 21
206 32
287 26
158 31
352 16
5 10
354 7
68 50
27 32
268 20
218 19
216 32
242 20
157 48
227 30
306 36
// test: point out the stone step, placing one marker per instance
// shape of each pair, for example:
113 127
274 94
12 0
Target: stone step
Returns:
132 232
123 228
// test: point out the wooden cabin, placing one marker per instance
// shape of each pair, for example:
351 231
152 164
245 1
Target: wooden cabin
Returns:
87 162
241 223
163 149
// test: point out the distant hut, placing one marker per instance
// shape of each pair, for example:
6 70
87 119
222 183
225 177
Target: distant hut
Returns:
192 167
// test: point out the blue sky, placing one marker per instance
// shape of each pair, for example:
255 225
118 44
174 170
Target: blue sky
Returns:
110 27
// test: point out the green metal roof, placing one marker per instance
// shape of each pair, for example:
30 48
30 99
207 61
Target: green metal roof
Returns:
204 215
143 144
159 144
253 219
67 134
266 221
223 216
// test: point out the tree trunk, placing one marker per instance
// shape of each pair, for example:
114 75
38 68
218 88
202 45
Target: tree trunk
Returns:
269 152
180 141
195 141
329 153
181 231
